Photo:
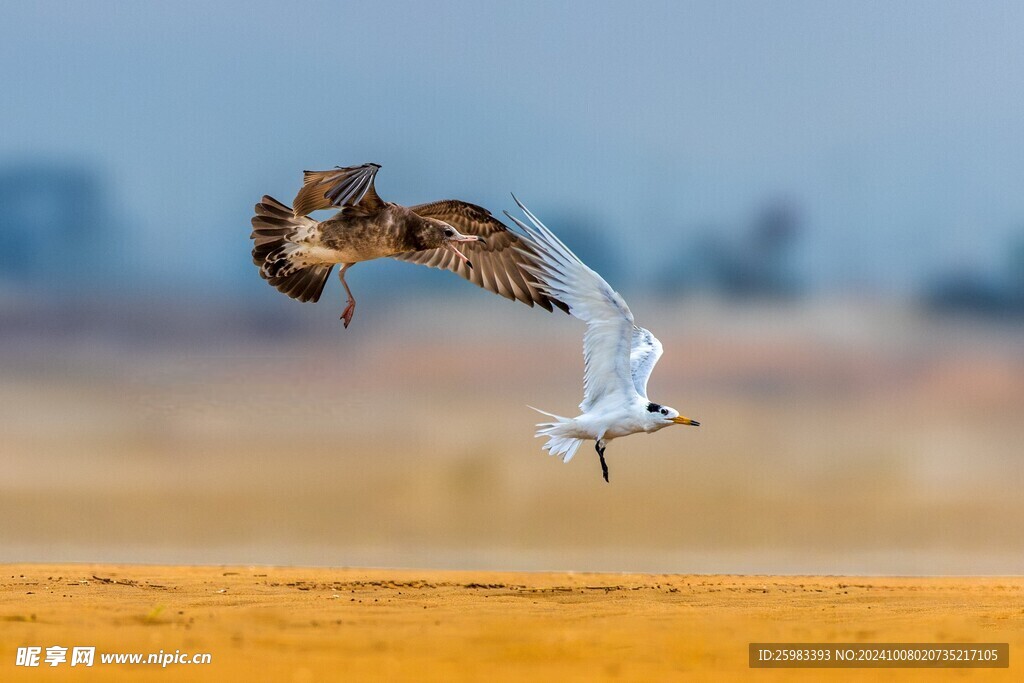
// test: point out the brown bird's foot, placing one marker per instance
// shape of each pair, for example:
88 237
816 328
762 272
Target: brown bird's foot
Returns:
349 311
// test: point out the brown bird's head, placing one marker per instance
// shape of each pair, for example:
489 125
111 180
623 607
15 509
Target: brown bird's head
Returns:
435 234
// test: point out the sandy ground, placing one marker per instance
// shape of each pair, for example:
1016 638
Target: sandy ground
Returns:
296 624
834 442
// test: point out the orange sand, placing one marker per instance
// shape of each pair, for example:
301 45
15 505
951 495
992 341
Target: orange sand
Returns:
298 624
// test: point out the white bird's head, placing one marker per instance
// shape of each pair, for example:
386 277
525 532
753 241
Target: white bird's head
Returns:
662 416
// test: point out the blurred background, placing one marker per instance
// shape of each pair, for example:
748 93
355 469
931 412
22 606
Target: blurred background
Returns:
816 206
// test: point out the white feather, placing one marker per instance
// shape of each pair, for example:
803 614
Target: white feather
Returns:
643 356
619 356
607 375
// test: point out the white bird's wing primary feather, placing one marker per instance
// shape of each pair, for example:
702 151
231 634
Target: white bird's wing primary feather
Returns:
607 343
643 356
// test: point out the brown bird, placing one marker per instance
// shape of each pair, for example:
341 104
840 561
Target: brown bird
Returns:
296 253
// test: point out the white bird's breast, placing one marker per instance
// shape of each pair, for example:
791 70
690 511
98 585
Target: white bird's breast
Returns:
612 421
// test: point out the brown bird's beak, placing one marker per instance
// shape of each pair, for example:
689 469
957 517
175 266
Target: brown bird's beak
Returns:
685 421
452 248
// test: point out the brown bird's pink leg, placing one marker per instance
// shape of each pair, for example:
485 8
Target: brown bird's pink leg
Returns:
346 315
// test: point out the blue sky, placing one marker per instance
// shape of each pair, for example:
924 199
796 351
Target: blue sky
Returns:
896 126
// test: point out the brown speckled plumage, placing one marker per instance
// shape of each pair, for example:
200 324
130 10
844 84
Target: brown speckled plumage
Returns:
295 253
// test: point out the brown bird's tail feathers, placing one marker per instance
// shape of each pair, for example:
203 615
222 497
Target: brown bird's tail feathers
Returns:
279 250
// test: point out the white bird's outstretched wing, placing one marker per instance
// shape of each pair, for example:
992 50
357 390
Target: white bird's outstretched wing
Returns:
607 343
643 356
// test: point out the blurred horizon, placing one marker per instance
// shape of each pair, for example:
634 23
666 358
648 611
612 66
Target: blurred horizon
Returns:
890 132
835 439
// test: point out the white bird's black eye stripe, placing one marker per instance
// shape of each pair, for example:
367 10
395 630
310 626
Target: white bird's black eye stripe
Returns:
654 408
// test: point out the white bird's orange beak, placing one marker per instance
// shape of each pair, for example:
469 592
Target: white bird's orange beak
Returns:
685 421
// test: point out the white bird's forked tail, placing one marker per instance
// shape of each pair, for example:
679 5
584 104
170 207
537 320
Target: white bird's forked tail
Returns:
560 440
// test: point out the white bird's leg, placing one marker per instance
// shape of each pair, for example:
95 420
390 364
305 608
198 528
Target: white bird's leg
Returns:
350 309
599 446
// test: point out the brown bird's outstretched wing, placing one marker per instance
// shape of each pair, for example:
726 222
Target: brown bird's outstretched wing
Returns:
337 188
497 261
